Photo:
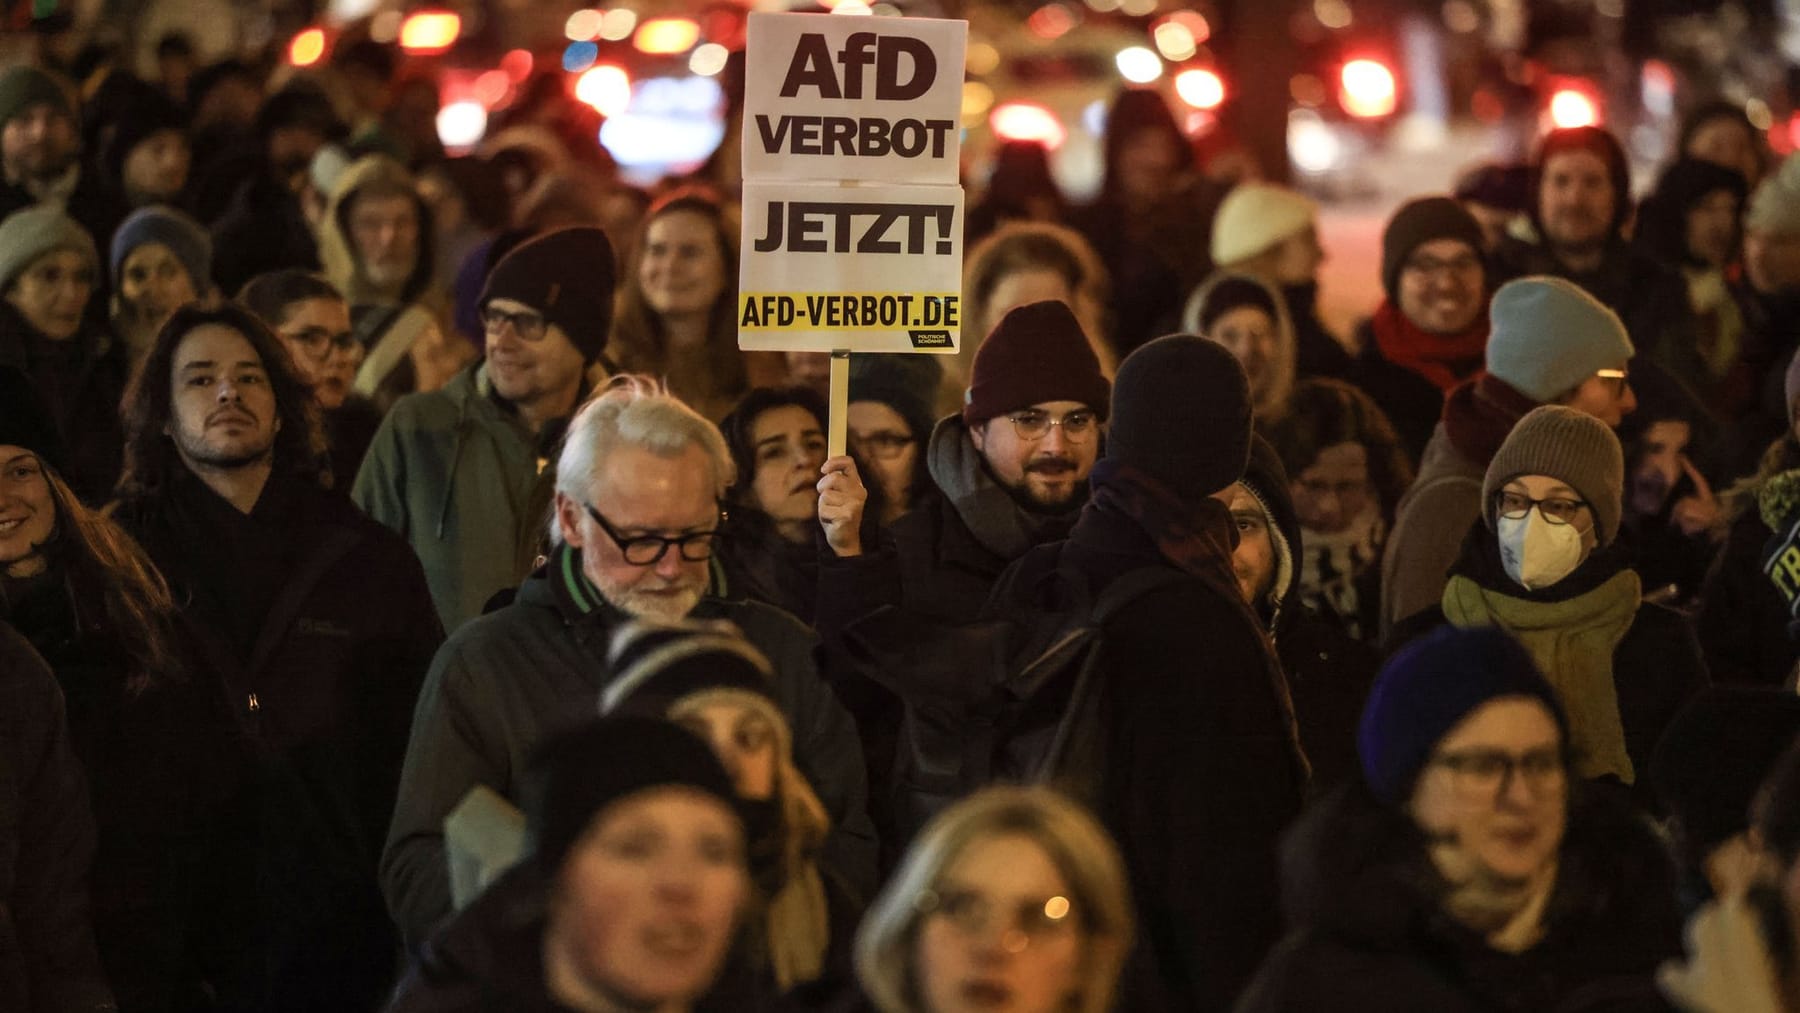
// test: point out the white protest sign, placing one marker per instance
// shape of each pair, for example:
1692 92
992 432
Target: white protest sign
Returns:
847 267
853 98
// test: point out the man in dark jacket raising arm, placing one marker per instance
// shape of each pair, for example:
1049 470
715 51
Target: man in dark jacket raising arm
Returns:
638 489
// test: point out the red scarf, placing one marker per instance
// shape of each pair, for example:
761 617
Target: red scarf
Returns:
1444 359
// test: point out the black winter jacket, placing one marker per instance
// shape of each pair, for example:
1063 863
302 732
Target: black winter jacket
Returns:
80 381
1412 403
324 695
506 679
47 958
1657 667
1367 933
1743 622
160 762
1201 770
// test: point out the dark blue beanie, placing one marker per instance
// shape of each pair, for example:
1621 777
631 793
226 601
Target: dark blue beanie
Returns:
1427 688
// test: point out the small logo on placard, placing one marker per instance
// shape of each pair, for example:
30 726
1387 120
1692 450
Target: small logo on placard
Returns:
930 339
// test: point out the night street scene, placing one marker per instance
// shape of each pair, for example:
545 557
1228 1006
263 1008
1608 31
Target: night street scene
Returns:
900 506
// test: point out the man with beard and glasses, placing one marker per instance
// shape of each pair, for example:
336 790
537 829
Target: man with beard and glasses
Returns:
317 622
1011 473
637 513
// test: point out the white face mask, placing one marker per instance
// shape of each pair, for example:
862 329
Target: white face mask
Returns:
1537 553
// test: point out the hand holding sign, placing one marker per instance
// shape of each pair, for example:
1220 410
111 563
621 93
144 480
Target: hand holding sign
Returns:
842 499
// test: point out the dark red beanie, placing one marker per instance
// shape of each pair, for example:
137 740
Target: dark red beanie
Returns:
1037 353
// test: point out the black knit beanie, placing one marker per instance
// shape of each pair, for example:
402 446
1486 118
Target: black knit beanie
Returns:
575 776
568 276
1181 414
1037 353
1232 292
656 664
138 122
1419 222
906 383
24 421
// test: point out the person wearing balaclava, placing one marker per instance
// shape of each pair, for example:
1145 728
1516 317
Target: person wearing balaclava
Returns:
707 678
1544 565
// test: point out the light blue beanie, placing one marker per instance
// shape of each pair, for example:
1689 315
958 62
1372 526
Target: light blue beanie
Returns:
1549 335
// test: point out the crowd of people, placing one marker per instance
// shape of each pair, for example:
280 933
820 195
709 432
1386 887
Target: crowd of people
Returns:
411 598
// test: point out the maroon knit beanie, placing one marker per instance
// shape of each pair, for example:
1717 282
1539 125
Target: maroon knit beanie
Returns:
1037 353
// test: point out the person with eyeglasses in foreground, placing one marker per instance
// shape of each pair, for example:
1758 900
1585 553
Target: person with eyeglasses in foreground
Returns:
639 485
1551 343
312 319
1012 899
1010 472
1545 563
1468 867
464 473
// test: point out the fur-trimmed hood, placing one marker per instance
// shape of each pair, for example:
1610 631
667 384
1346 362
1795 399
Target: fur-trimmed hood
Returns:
337 253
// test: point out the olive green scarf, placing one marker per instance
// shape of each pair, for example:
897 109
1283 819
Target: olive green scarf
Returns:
1573 642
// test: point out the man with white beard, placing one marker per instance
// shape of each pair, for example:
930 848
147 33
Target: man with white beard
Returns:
637 512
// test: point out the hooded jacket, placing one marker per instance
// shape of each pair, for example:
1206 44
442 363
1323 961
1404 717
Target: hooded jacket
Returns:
1271 385
388 327
1367 933
1328 672
504 681
456 474
47 959
947 552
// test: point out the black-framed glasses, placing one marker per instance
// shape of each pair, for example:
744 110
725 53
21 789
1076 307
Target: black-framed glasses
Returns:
974 913
881 446
1487 772
527 325
318 343
648 550
1034 424
1556 509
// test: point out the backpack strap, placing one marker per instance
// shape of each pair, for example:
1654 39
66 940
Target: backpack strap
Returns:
1113 600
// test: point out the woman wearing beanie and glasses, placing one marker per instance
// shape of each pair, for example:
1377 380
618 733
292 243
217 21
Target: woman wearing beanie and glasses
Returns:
1545 566
1468 869
1013 899
631 890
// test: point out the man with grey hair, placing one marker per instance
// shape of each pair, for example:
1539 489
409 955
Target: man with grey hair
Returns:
637 513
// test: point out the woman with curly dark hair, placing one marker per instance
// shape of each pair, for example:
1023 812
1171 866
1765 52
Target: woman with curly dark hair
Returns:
1348 470
146 722
678 306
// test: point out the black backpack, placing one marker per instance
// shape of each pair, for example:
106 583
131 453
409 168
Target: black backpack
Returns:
1010 699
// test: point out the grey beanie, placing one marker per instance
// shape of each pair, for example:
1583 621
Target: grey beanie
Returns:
1571 446
1549 335
24 86
1775 206
32 232
184 237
